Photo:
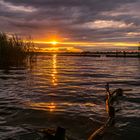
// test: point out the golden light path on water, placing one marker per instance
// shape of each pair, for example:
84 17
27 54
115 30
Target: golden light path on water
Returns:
54 70
53 106
60 106
48 106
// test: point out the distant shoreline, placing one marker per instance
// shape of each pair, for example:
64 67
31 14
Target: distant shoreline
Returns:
94 54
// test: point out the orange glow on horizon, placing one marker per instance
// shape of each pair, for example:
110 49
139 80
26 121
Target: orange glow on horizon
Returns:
62 49
57 44
91 44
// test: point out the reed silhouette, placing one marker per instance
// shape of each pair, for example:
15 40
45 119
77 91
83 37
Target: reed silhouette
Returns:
15 46
14 51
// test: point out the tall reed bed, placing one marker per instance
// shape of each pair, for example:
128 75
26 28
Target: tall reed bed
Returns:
12 45
14 50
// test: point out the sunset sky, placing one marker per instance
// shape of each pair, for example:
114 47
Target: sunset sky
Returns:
74 23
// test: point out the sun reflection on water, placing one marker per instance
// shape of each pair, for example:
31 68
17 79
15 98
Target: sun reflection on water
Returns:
51 106
54 70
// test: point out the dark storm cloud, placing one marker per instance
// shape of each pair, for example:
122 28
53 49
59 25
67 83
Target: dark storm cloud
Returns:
87 20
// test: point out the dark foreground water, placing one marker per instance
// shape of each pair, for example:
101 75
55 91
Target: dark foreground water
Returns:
69 92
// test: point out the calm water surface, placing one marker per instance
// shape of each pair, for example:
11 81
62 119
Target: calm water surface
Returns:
69 92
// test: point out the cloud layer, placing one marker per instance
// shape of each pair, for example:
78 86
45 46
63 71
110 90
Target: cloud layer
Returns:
73 20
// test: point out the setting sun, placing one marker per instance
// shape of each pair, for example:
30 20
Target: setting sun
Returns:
54 42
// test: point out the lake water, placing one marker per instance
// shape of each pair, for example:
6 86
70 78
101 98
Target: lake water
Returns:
68 91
